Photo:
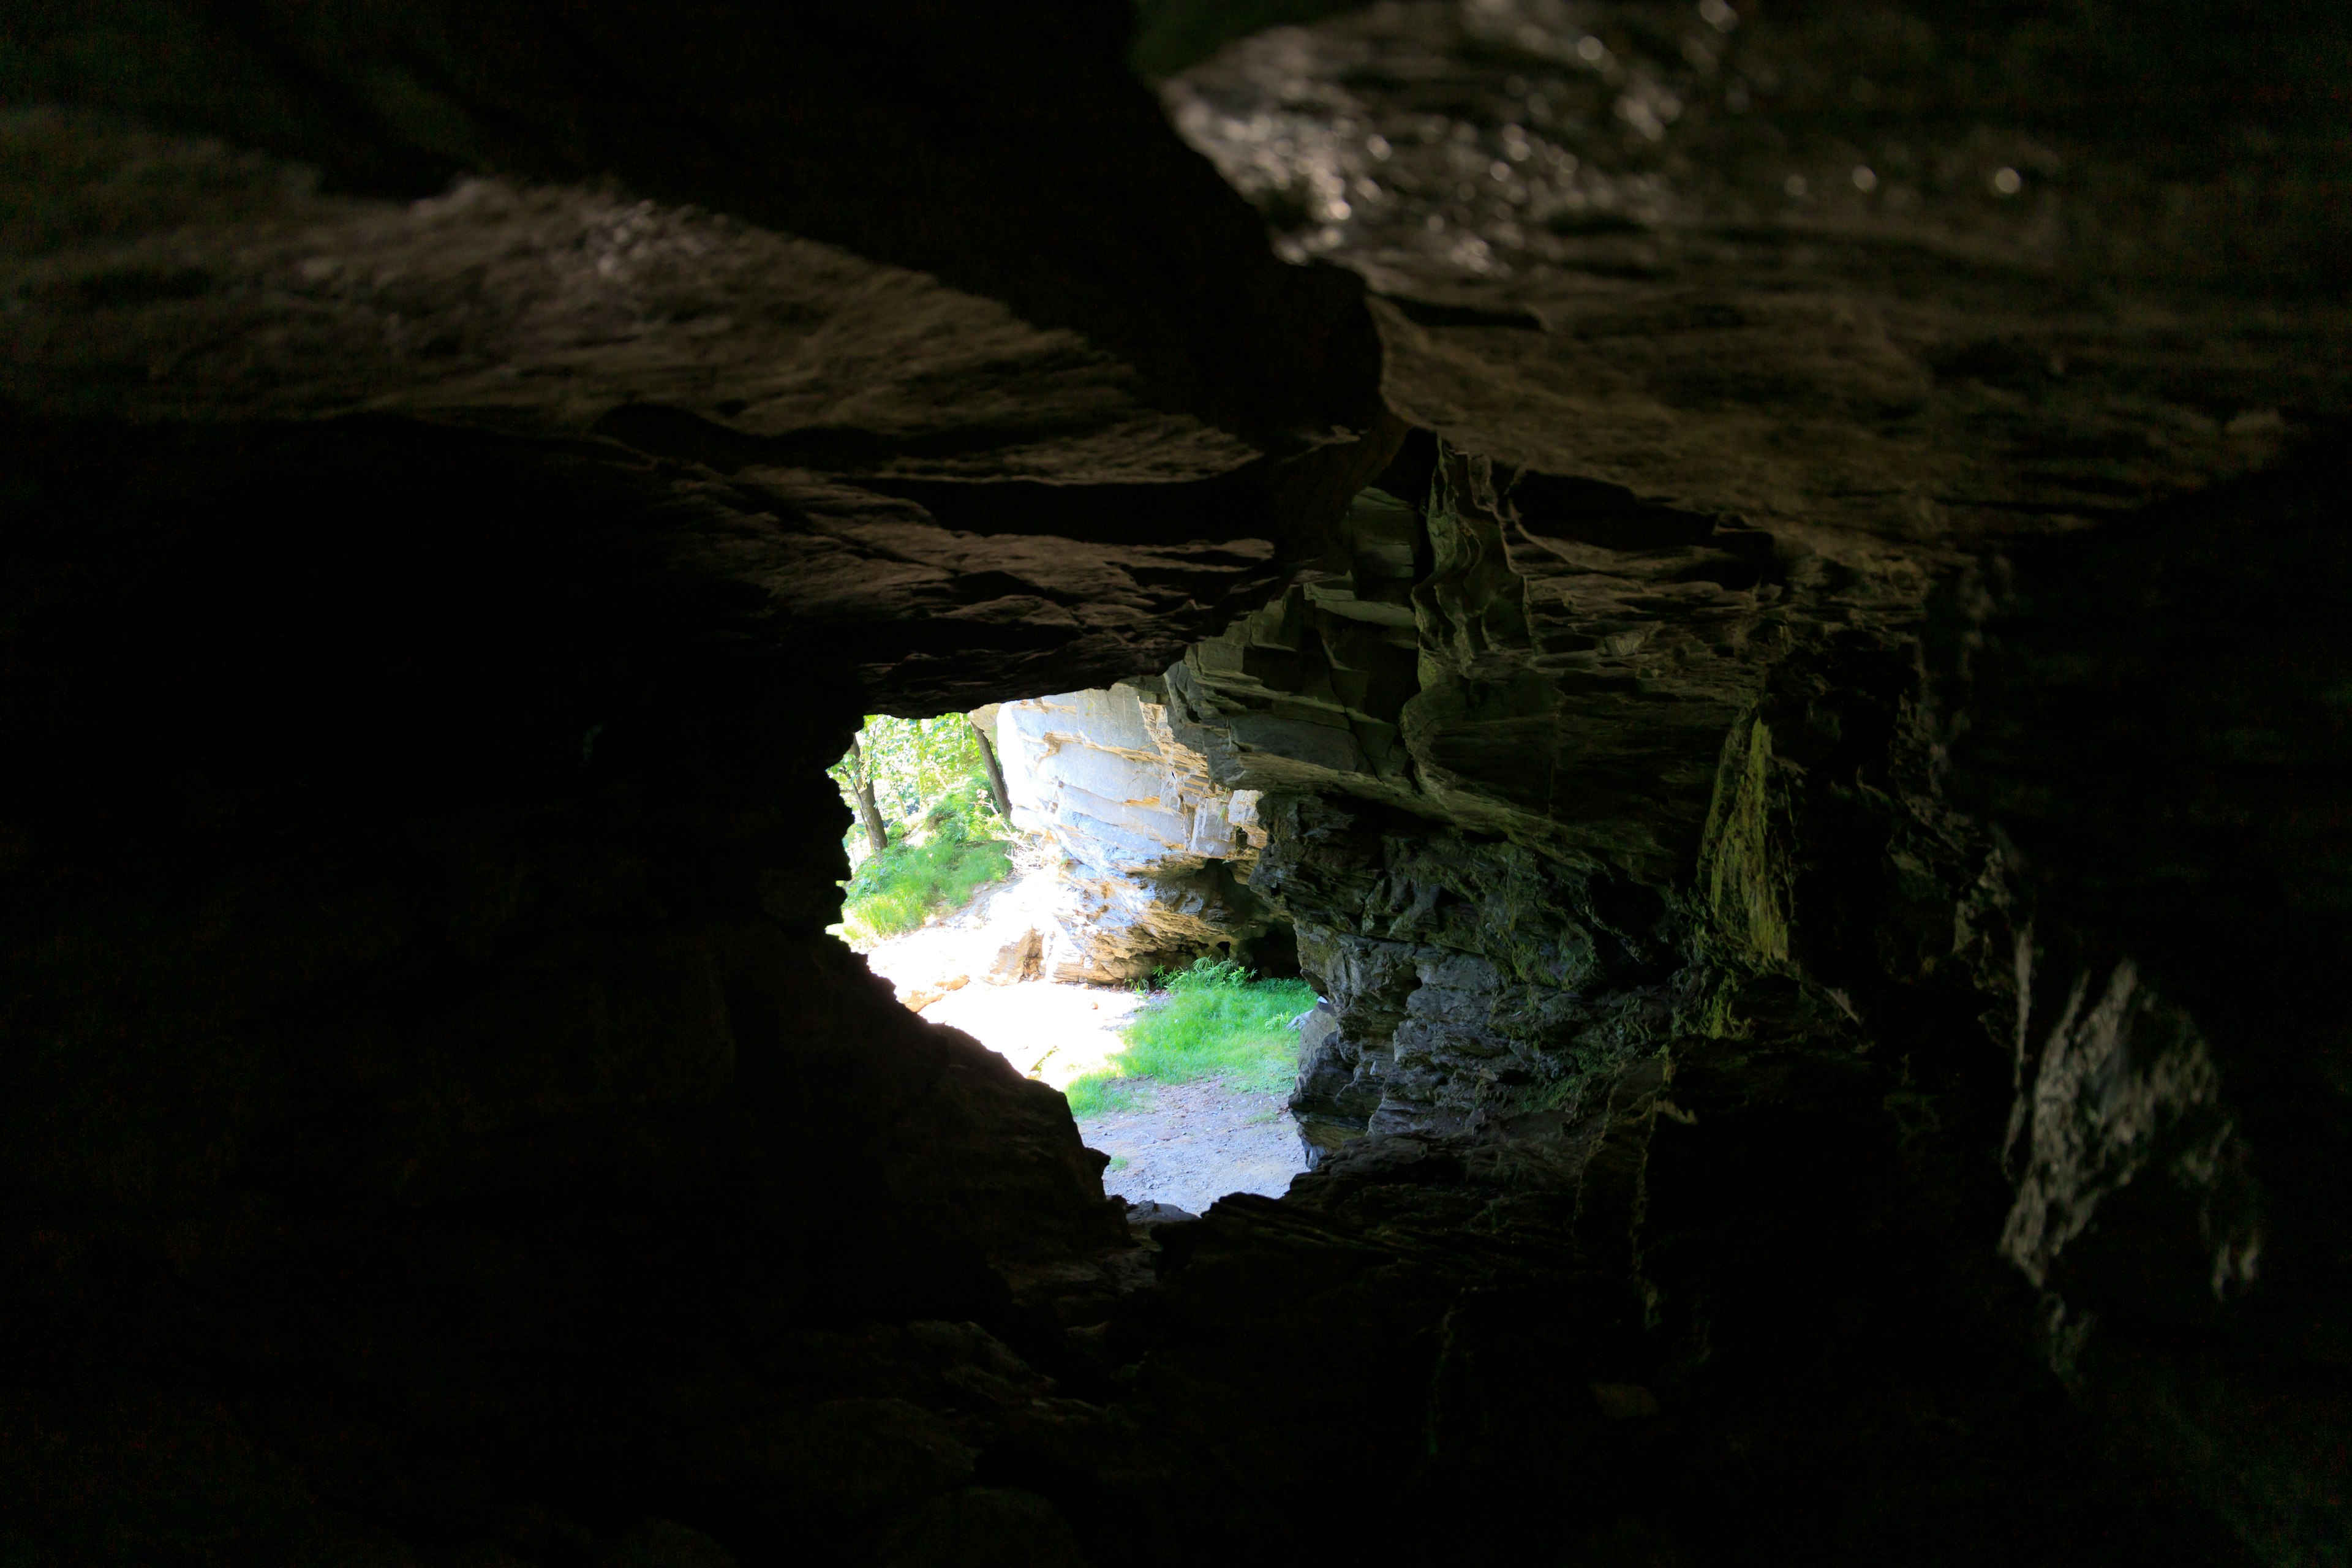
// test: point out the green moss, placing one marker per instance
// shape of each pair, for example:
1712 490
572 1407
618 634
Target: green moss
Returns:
1554 1094
1740 909
1738 880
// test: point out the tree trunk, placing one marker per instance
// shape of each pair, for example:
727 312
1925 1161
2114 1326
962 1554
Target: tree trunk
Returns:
995 772
862 785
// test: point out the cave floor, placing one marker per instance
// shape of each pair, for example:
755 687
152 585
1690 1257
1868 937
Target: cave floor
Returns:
1190 1144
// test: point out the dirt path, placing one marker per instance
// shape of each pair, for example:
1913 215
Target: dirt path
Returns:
1186 1144
1190 1144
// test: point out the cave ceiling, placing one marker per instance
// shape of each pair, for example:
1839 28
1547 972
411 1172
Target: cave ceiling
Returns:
1889 289
990 418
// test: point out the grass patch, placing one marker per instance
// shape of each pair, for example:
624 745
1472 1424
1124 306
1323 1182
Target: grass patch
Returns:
1212 1020
1099 1094
938 867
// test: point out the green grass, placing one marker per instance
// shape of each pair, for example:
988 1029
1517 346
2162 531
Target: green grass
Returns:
1210 1021
935 869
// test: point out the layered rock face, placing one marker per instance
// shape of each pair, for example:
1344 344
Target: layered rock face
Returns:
1612 741
1153 856
1789 657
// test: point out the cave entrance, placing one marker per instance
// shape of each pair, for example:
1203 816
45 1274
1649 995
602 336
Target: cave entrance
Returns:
1061 878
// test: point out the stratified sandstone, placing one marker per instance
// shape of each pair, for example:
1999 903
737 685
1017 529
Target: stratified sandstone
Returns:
1149 858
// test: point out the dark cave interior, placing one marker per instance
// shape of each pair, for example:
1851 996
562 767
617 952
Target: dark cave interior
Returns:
1802 726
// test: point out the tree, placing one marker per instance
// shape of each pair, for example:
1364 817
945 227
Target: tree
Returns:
995 774
898 769
861 783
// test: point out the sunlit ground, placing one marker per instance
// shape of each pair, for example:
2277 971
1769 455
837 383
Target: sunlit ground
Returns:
1051 1032
1185 1144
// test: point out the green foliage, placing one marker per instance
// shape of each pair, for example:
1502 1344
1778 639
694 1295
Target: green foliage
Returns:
949 853
947 840
1099 1094
1210 1020
895 890
913 762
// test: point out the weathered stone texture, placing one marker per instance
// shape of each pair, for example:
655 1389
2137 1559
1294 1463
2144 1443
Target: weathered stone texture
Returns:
1466 981
1152 856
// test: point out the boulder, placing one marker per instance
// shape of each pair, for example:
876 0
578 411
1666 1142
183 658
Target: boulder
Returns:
1018 960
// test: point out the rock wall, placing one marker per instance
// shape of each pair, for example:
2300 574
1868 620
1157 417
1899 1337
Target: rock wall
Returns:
2026 1037
1152 856
1834 912
421 1029
1490 775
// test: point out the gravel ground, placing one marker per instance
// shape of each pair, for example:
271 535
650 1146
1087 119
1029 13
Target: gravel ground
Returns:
1190 1144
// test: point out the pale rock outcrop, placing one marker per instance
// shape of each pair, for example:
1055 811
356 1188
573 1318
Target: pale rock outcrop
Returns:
1153 853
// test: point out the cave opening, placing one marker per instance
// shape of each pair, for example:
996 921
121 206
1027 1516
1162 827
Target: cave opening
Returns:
1061 878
